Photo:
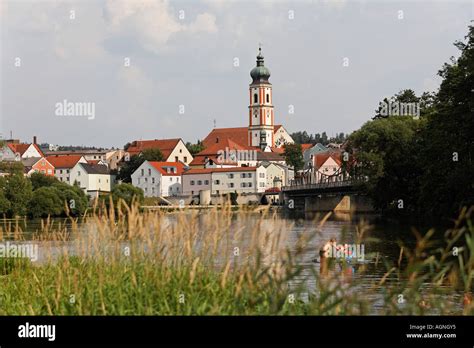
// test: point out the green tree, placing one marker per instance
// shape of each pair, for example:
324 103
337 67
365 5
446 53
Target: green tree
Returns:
4 202
45 201
18 192
195 148
129 167
294 156
127 193
40 180
447 182
386 153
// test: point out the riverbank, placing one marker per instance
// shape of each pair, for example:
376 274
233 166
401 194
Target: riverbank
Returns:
224 262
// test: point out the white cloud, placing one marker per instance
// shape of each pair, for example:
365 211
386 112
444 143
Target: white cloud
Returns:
152 22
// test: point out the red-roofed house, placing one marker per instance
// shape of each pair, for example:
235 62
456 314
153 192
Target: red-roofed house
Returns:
174 150
25 150
63 165
159 179
327 165
37 165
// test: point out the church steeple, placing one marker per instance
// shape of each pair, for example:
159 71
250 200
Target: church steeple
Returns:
261 127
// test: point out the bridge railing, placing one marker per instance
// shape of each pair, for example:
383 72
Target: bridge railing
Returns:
323 185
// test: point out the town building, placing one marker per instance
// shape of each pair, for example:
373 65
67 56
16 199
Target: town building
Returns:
37 165
94 179
261 134
63 165
159 179
173 150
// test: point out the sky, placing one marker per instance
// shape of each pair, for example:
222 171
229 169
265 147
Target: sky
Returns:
161 69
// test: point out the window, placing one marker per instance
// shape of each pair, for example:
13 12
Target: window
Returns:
180 150
60 171
43 171
242 184
262 175
138 181
231 176
99 181
268 98
152 180
255 135
242 175
217 182
199 182
107 181
185 159
249 184
146 179
143 172
231 184
95 157
255 98
149 171
206 182
67 171
171 179
152 190
79 183
262 184
146 189
67 178
249 175
61 178
192 182
78 173
176 158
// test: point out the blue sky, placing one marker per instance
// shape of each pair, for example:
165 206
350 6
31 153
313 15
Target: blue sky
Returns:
183 53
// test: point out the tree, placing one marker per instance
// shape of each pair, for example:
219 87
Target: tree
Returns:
125 173
40 180
45 201
4 202
18 192
195 148
386 153
294 156
128 193
448 144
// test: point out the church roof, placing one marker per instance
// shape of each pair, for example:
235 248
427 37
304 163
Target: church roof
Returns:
238 135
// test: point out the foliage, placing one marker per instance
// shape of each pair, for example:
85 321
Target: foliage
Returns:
40 180
294 156
18 191
128 193
44 202
195 148
321 138
135 161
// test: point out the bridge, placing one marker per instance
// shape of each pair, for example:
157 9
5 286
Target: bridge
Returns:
337 194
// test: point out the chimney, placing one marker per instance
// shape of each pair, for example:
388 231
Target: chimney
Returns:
34 139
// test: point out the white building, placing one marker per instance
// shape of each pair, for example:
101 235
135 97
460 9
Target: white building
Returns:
173 150
92 178
63 165
221 180
159 179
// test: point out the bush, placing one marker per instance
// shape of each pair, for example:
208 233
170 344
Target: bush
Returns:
128 193
46 201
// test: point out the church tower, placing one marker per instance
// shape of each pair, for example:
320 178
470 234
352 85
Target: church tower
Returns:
261 130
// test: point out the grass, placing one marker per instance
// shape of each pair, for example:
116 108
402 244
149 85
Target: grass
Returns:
221 262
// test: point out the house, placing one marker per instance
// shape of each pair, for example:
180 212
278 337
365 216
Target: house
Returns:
226 153
173 150
309 153
114 157
159 179
327 166
221 180
89 154
63 166
7 154
22 150
92 178
273 176
37 165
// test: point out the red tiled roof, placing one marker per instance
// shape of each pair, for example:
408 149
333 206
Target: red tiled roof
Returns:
219 170
320 158
66 161
237 134
212 151
166 146
306 146
161 167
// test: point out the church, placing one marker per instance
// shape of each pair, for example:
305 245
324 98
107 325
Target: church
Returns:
261 135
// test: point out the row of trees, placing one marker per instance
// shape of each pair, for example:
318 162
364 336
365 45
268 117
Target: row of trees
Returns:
305 138
39 196
424 166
